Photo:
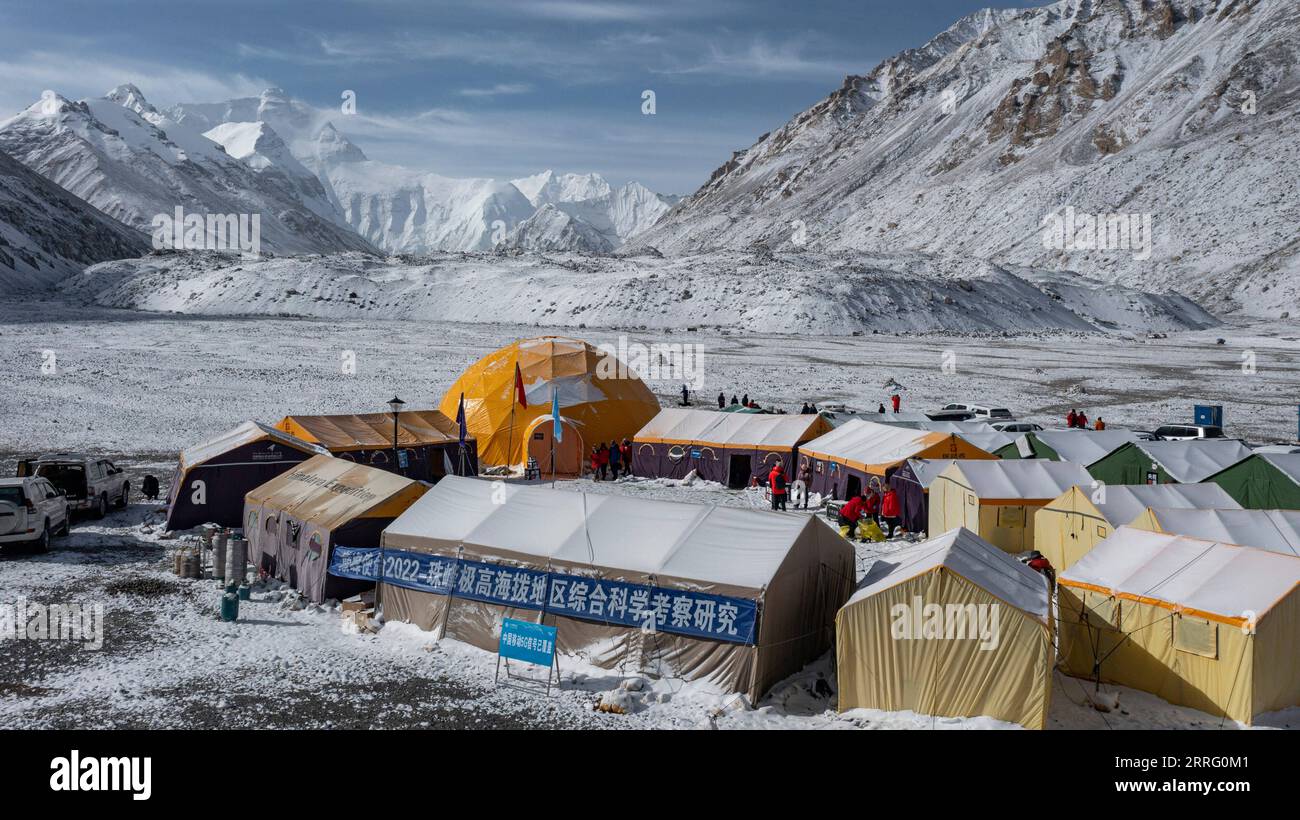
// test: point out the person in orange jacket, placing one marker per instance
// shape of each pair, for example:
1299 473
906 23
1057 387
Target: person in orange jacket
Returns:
890 511
1099 424
776 481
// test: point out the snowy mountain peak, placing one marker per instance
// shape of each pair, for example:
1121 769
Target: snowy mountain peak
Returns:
332 146
129 96
550 187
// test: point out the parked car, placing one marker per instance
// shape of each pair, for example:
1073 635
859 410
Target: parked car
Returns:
960 411
32 510
1016 426
1188 432
89 483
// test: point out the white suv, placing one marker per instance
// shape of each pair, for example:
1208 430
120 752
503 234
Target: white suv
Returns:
32 510
89 483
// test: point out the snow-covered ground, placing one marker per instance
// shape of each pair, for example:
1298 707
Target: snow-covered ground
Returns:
140 383
141 386
167 661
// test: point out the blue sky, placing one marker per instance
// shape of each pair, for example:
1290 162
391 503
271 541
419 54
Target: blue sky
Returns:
499 88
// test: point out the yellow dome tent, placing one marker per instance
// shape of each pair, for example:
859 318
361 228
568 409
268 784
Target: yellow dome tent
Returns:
600 401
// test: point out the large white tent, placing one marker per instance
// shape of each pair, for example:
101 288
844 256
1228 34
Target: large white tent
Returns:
740 597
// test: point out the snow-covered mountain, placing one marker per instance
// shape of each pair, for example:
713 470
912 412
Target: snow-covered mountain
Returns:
258 146
47 233
582 213
411 211
133 162
800 293
1182 111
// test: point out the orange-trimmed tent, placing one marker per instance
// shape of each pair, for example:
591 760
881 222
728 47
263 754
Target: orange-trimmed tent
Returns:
294 521
600 401
845 460
429 439
1199 623
729 448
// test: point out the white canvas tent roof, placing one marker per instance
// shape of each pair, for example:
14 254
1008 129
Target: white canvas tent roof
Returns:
1125 502
678 425
1286 463
1193 461
927 470
870 443
966 554
1082 446
1274 530
1187 573
245 433
1021 479
724 545
988 441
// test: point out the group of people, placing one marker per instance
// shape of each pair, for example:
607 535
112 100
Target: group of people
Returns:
1078 420
607 460
743 401
884 509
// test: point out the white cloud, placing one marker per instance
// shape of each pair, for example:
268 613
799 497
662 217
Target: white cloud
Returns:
498 90
77 77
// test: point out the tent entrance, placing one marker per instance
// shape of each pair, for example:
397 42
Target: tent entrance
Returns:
852 487
569 450
738 471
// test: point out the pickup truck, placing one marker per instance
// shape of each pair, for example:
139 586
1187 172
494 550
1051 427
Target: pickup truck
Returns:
89 483
32 510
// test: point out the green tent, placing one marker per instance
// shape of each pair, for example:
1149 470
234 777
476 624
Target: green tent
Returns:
1078 446
1167 462
1264 481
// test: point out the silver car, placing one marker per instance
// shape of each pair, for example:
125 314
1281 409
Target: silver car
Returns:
32 511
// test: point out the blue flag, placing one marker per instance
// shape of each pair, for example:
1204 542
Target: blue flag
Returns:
557 430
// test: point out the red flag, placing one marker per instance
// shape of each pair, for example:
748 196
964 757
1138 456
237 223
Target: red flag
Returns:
519 387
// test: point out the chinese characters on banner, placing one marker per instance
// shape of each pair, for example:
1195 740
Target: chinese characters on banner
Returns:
683 612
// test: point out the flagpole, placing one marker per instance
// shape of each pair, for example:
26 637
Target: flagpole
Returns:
555 426
510 437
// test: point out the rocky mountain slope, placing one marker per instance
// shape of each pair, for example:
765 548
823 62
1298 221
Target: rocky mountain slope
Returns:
47 233
133 163
1185 113
801 293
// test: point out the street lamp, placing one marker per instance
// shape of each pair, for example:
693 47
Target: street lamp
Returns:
395 404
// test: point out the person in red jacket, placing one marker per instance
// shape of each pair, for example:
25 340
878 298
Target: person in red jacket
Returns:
871 505
1040 564
851 514
896 400
1072 420
890 511
595 463
625 450
776 481
1083 420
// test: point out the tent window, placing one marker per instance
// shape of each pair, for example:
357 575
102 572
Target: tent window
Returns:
1013 517
1102 610
1101 531
1197 636
970 499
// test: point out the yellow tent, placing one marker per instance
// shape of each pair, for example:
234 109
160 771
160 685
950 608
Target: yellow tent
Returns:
601 400
997 499
1074 522
952 627
1202 624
